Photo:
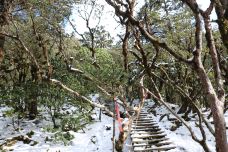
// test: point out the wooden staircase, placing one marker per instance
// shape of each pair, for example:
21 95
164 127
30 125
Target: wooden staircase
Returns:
147 136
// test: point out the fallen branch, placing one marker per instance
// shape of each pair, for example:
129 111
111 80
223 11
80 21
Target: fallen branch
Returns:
11 141
60 84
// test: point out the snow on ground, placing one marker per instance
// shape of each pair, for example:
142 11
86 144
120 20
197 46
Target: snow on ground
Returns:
181 137
95 138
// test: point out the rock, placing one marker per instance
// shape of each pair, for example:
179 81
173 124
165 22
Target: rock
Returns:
173 128
29 134
108 127
93 139
36 121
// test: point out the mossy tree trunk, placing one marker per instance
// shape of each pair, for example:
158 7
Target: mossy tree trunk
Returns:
221 8
5 9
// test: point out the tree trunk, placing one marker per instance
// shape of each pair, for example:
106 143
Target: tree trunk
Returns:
222 13
216 98
5 8
2 23
32 108
184 107
217 107
223 28
2 40
205 147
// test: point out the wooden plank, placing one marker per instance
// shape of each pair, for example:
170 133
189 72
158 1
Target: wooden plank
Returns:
143 117
149 145
163 143
147 126
147 132
155 148
147 129
144 120
144 123
138 140
141 145
144 126
148 136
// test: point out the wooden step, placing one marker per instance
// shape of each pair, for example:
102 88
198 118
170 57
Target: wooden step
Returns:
144 120
144 117
147 129
144 123
156 144
147 132
148 136
138 140
148 126
163 143
138 149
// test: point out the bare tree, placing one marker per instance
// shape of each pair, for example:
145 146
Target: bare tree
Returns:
87 10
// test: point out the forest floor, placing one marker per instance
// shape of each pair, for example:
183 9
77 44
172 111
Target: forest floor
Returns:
94 137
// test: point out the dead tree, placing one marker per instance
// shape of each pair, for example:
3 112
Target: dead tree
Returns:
87 12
